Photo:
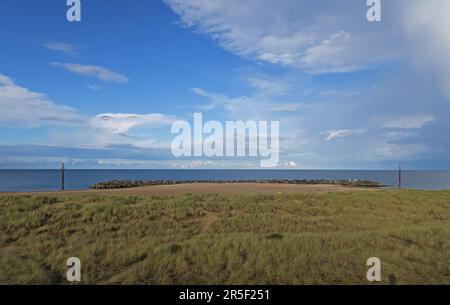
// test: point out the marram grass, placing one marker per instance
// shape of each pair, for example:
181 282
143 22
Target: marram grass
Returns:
212 239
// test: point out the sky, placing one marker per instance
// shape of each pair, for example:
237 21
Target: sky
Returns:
104 92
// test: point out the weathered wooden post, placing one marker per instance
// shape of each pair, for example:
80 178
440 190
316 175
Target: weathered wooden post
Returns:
399 177
62 176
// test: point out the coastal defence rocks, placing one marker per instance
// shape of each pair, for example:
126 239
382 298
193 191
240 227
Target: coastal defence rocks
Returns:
121 184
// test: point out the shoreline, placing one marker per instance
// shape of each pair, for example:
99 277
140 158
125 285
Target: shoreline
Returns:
123 184
237 188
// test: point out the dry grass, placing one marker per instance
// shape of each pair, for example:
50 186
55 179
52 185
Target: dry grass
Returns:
210 188
306 238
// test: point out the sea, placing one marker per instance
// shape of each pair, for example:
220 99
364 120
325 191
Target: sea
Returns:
50 180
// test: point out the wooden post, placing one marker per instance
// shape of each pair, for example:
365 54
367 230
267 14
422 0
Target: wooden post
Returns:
399 177
62 176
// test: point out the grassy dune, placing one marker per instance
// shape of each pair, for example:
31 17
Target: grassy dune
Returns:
217 239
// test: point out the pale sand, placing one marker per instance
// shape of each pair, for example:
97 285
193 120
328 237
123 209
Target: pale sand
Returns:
211 188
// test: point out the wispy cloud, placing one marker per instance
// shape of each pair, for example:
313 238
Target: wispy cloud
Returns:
343 133
296 33
285 107
94 87
267 86
408 121
101 73
260 100
66 48
122 123
400 152
21 107
216 99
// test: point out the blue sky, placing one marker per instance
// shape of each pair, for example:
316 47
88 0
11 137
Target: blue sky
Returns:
103 92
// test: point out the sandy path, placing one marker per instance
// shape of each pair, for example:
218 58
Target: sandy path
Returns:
209 188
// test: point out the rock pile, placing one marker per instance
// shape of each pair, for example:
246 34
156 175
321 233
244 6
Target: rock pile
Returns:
120 184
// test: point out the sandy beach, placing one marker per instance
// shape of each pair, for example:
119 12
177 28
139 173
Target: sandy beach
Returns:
210 188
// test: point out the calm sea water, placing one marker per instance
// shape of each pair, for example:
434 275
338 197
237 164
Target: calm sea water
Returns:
48 180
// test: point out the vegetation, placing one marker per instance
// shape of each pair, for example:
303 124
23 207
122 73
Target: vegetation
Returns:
211 239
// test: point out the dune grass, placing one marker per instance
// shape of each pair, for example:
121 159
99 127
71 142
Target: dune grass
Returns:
212 239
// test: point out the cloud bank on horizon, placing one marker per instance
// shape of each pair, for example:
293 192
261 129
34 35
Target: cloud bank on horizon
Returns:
348 93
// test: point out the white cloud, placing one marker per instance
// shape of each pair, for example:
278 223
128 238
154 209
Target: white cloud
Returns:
285 107
325 36
408 121
260 101
330 55
122 123
317 37
338 93
21 107
94 87
398 135
398 152
216 99
101 73
66 48
343 133
267 86
288 164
